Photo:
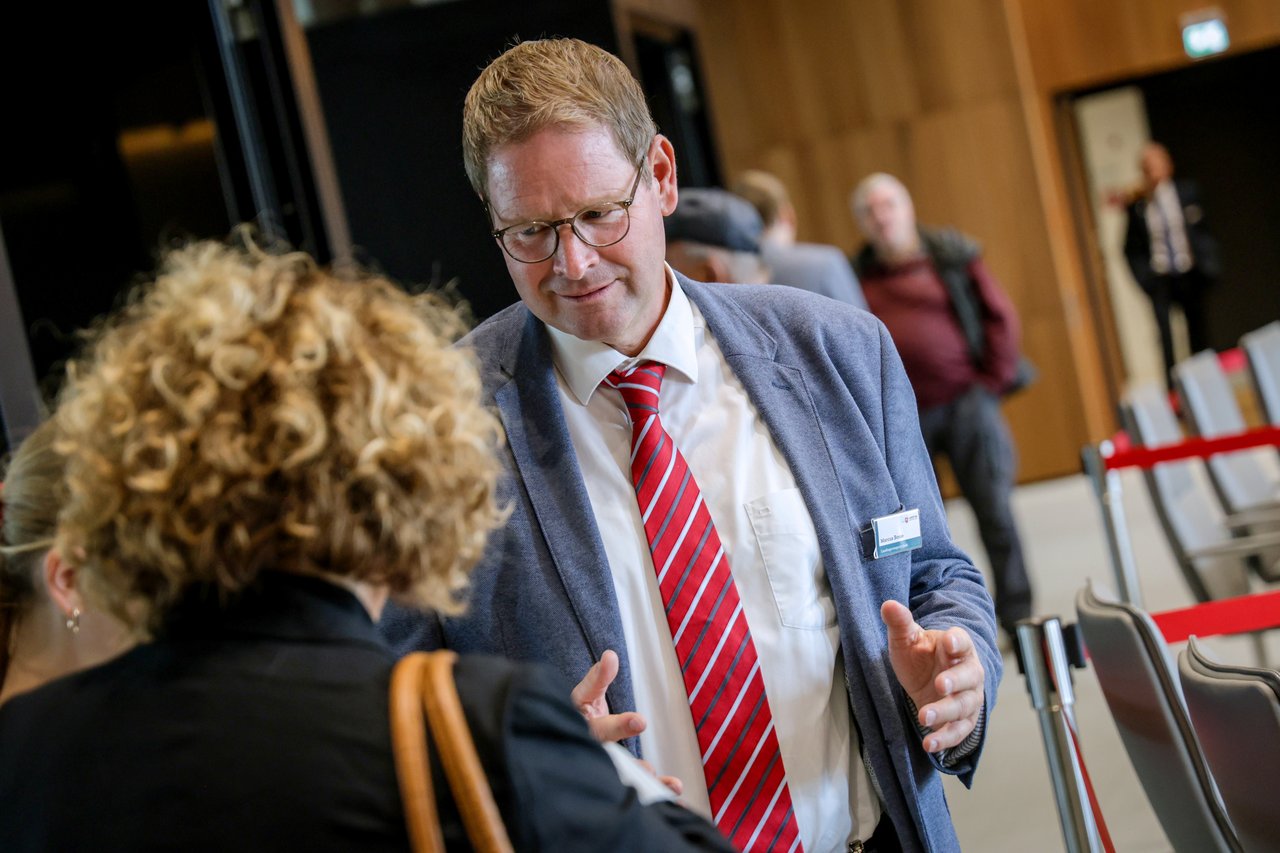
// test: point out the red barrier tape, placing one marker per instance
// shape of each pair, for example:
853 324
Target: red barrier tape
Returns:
1099 821
1103 835
1192 448
1233 360
1226 616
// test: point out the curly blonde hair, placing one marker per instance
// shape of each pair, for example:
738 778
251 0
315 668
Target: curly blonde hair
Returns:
251 411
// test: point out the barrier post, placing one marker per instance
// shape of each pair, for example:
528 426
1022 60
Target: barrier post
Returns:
1044 660
1107 487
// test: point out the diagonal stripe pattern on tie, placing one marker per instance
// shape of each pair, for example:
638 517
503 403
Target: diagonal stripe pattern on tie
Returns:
746 781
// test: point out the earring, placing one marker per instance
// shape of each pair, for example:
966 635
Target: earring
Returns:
73 621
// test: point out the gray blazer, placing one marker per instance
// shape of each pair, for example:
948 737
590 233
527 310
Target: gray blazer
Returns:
816 268
831 389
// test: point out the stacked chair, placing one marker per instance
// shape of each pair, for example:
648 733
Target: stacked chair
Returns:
1131 661
1213 559
1203 736
1262 348
1236 714
1248 481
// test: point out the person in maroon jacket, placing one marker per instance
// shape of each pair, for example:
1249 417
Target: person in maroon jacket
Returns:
957 333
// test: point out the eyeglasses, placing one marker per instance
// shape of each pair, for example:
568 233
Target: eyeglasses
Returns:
599 225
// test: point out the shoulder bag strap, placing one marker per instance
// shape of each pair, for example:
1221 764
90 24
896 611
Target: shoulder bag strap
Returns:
458 754
409 748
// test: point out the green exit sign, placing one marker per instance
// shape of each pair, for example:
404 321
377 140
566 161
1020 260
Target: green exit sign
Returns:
1205 37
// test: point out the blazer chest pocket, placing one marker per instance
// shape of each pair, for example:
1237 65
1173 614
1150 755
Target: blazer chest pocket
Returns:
788 547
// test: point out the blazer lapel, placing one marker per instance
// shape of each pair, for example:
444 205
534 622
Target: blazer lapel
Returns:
529 406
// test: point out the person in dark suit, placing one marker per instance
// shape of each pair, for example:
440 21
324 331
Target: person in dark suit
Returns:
776 556
1171 252
258 452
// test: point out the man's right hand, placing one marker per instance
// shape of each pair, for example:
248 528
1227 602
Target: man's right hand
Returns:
588 698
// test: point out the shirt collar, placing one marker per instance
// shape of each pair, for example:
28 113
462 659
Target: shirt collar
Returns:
585 364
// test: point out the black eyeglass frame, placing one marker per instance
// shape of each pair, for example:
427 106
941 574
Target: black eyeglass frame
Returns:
571 221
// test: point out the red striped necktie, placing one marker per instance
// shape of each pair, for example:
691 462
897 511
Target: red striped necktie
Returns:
746 781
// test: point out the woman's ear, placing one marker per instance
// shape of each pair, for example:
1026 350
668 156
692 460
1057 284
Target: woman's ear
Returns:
60 580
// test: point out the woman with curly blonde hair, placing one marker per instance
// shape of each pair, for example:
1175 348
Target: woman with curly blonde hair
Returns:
258 452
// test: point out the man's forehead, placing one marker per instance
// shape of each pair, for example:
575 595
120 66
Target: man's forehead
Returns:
550 144
550 170
885 191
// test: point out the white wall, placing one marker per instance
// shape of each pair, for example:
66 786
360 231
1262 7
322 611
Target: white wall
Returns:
1113 128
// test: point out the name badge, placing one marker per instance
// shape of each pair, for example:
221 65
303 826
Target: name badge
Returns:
893 534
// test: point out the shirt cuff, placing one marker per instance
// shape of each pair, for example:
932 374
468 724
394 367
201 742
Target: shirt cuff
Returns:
952 755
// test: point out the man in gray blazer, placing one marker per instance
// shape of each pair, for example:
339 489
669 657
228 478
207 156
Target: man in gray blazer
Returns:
857 660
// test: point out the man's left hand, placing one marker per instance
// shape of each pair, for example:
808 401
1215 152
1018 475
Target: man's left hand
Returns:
589 698
940 671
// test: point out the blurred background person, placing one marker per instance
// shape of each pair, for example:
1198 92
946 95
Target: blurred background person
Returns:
258 453
714 235
46 628
957 333
1170 250
809 266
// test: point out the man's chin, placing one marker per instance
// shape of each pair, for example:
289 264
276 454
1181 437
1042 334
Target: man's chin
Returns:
595 332
587 326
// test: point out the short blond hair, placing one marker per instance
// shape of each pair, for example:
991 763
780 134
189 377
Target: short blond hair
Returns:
250 411
551 83
767 194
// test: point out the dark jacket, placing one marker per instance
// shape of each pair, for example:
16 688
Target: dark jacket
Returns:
263 726
1137 239
957 259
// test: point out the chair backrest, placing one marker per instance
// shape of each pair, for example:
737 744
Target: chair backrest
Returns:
1130 659
1246 478
1189 511
1262 347
1236 713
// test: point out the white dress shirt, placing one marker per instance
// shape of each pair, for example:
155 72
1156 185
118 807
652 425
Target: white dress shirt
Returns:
772 549
1164 215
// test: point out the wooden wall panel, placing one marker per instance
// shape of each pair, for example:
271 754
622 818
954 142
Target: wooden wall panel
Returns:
822 93
961 52
1063 47
956 97
1086 42
681 13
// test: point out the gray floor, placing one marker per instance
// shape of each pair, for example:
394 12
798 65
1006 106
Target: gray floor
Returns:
1010 807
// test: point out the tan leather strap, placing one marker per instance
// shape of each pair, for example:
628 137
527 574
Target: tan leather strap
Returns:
461 762
409 747
423 682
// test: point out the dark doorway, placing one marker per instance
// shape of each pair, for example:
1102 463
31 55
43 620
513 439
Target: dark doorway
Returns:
392 86
102 161
1220 120
129 128
669 71
392 82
